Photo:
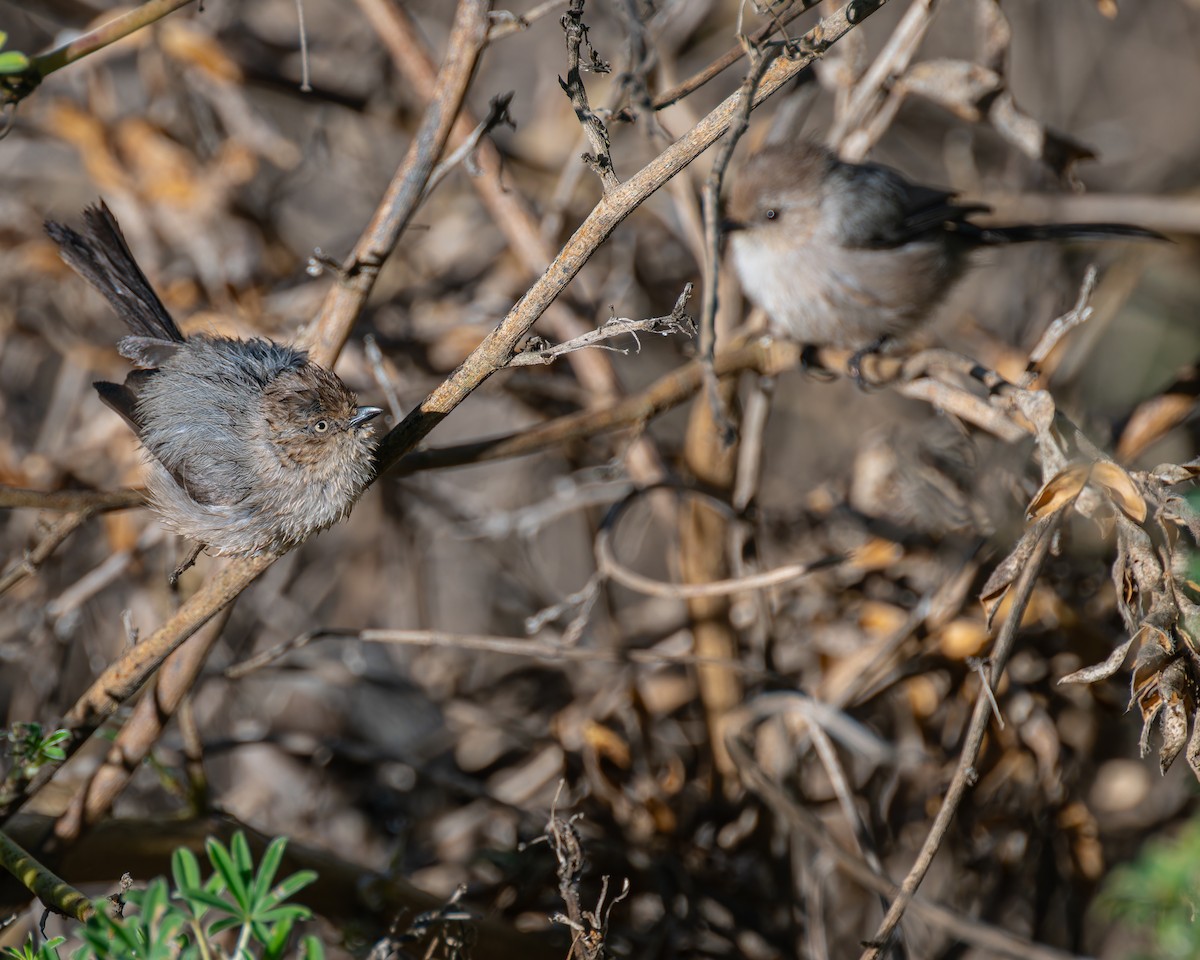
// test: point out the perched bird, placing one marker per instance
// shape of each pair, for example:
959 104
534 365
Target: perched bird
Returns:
252 447
851 254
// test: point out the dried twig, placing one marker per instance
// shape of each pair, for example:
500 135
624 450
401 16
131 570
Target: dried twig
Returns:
778 20
600 160
504 22
609 566
675 322
549 651
498 115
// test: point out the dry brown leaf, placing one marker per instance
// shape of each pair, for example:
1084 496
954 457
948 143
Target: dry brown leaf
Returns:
1153 655
1103 670
1059 491
1150 421
1174 688
1173 473
1120 488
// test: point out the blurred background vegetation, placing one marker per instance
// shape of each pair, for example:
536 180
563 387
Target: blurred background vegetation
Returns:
434 763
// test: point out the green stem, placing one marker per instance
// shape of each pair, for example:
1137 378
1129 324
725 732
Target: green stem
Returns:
46 63
53 891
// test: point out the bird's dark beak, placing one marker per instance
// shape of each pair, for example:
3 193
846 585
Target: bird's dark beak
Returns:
731 226
364 415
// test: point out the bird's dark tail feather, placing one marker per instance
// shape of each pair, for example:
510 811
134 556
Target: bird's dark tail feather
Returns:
101 256
1026 233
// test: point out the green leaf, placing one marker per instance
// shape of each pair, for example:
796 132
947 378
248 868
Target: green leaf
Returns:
13 62
185 869
208 898
224 925
289 912
266 870
311 948
275 941
289 886
223 863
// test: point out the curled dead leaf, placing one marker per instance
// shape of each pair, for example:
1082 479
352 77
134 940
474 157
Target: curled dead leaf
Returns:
1059 491
1103 670
1118 485
1150 421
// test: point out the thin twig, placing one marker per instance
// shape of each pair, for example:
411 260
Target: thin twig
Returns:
675 322
730 56
505 22
55 893
609 566
710 205
533 648
28 565
1078 314
305 84
97 501
498 115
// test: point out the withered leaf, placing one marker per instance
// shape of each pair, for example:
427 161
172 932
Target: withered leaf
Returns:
1150 421
1059 491
1120 488
1156 651
1172 473
1174 689
1103 670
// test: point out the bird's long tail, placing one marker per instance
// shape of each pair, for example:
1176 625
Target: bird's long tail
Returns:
101 256
1029 232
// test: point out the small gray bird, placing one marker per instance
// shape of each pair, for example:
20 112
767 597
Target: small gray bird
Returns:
252 447
849 254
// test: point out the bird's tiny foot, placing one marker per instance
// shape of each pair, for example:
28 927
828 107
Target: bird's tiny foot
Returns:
810 363
854 364
186 564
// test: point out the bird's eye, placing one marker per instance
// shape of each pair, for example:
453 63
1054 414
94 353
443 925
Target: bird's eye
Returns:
321 426
771 214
